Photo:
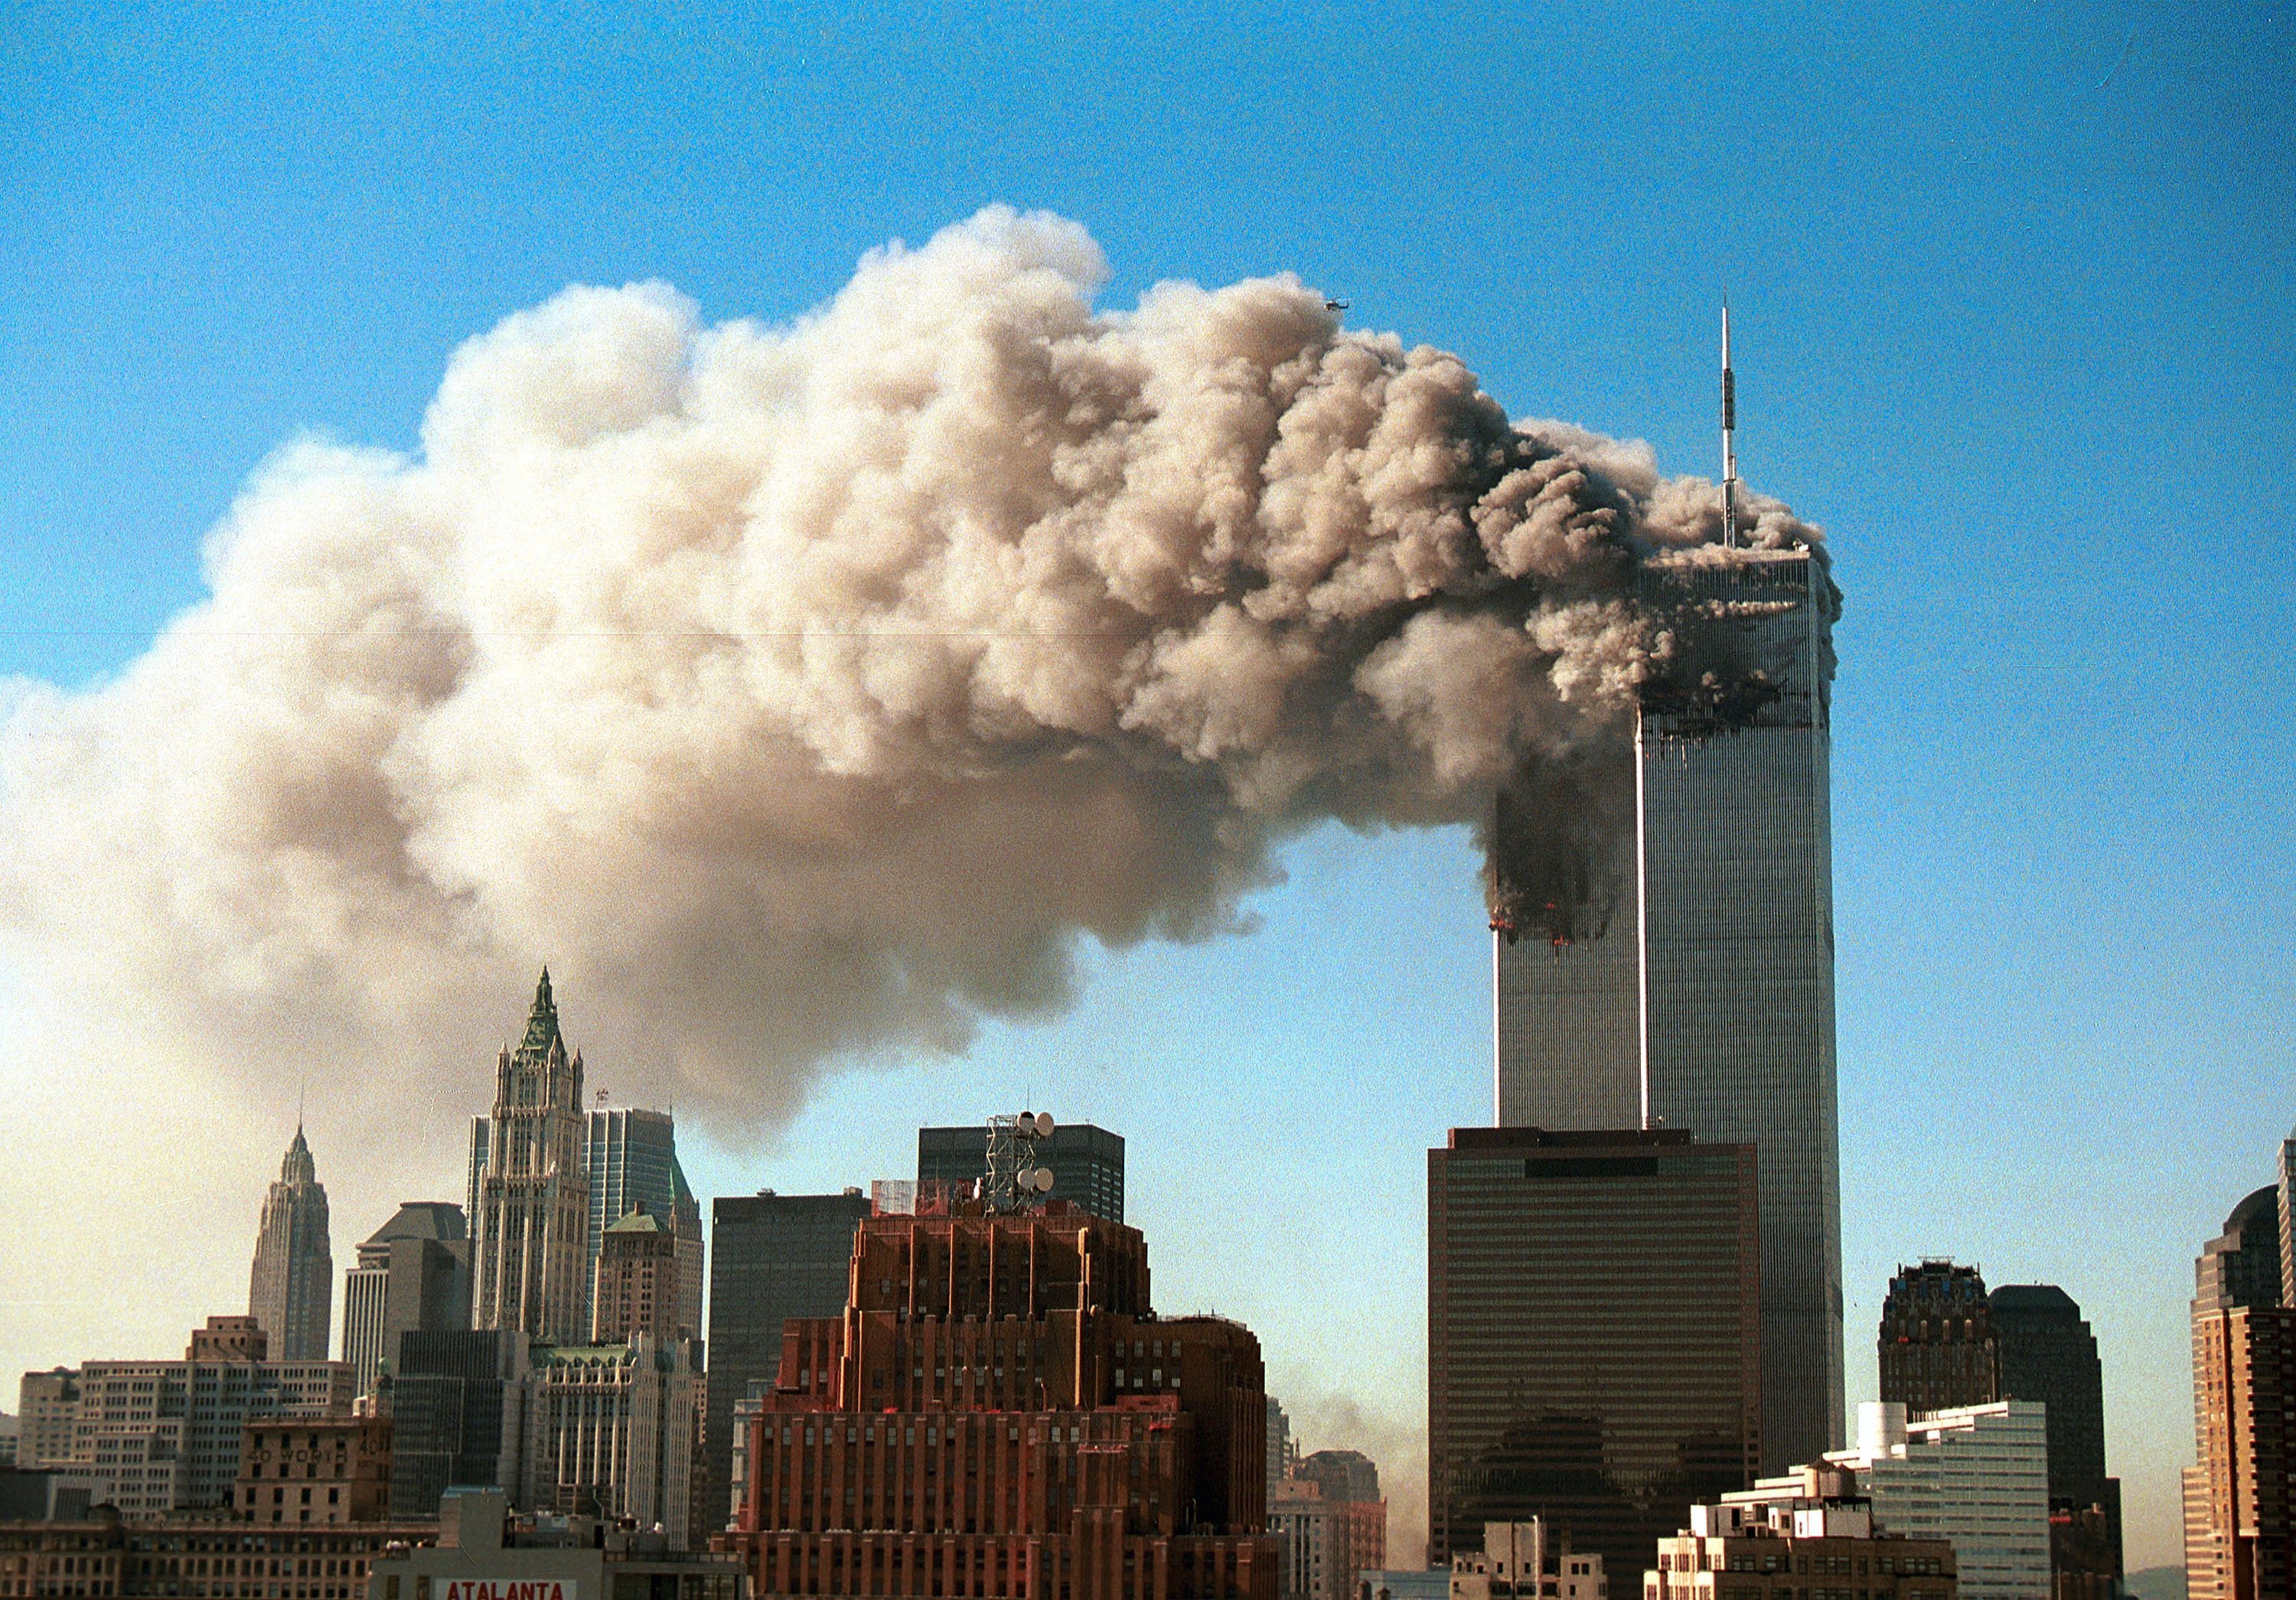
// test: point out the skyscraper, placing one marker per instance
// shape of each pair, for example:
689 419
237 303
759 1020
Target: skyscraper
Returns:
609 1430
772 1257
2239 1502
2049 1355
412 1272
529 1234
458 1417
291 1292
1086 1162
638 1283
1937 1344
1594 1334
1696 989
998 1412
630 1157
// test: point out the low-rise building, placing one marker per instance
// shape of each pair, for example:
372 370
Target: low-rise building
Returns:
1404 1583
320 1470
1527 1561
1810 1535
483 1553
1976 1476
208 1558
1329 1522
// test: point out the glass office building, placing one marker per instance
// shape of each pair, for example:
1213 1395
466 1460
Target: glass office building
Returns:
1705 1002
1593 1343
1086 1162
772 1257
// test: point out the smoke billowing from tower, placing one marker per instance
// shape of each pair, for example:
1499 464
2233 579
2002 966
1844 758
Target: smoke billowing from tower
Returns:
811 690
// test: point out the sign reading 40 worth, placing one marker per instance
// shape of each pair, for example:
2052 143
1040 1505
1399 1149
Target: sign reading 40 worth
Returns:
510 1588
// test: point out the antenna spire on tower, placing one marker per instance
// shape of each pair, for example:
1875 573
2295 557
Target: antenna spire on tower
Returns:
1729 444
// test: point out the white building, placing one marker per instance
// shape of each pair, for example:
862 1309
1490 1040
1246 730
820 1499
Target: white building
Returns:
1975 1475
610 1433
1525 1561
155 1438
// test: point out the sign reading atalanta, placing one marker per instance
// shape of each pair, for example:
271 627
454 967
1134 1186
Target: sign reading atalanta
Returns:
511 1588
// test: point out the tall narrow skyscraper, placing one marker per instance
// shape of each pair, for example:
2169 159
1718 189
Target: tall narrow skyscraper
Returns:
2240 1498
529 1235
291 1292
414 1272
1695 987
631 1158
2048 1354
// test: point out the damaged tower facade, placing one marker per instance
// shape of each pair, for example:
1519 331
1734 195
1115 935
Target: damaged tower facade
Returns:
1667 960
1703 999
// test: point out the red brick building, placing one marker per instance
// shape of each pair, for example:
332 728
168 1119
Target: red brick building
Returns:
999 1414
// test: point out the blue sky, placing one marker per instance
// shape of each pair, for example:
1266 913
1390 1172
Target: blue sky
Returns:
2012 291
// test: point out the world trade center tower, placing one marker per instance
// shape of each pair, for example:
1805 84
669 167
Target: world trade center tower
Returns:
1705 1003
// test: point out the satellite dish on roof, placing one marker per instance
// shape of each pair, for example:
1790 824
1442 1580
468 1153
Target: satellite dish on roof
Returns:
1044 1180
1043 1125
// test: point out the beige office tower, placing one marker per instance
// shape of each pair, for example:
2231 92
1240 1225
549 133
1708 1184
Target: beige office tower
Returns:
290 1290
2240 1498
529 1230
1689 982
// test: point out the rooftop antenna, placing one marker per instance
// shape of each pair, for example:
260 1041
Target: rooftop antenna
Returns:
1729 444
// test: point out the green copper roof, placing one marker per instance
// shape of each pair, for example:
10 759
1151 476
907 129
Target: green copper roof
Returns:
542 1022
639 1221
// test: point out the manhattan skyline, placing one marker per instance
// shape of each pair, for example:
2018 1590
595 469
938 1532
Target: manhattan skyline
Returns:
2009 338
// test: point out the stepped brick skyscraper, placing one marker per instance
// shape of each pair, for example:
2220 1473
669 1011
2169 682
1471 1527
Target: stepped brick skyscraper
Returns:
1696 987
998 1412
291 1292
529 1233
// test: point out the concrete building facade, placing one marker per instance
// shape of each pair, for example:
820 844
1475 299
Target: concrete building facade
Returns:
413 1273
158 1439
610 1434
1527 1561
322 1471
1798 1535
1976 1476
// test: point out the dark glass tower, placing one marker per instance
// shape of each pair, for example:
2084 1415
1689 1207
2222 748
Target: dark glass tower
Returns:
1937 1343
457 1416
1696 991
1086 1162
1594 1323
772 1257
2048 1354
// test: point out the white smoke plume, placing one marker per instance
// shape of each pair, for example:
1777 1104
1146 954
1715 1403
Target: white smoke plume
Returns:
807 693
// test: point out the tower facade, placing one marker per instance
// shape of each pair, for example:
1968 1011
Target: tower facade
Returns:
291 1292
1691 984
630 1157
2240 1496
530 1243
2048 1354
414 1272
1594 1334
1086 1162
999 1412
1937 1346
772 1258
